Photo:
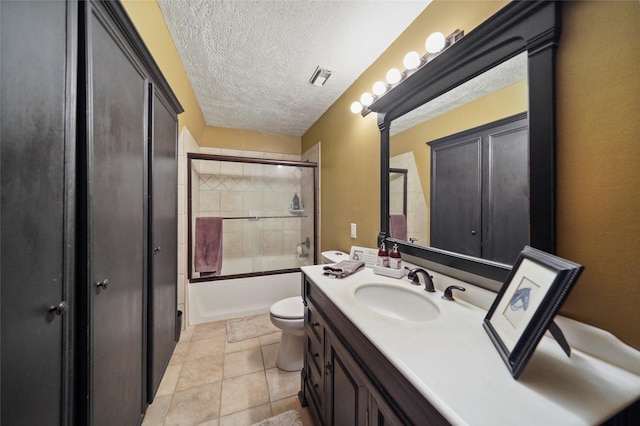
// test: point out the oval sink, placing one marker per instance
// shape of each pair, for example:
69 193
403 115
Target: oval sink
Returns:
396 302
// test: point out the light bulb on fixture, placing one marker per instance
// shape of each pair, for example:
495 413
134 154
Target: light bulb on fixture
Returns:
366 99
394 76
356 107
379 88
412 60
435 42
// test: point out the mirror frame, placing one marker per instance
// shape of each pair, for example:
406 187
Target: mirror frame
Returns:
520 26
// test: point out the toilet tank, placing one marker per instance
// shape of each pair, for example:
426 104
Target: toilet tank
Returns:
333 256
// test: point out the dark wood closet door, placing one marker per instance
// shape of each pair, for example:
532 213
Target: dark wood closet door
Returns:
163 255
456 221
37 142
506 199
116 227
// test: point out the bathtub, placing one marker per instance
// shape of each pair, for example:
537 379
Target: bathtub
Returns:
232 298
242 265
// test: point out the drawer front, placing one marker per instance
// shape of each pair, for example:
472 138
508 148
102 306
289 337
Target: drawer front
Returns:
314 324
314 353
316 385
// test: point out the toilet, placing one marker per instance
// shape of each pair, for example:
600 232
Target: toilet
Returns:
288 315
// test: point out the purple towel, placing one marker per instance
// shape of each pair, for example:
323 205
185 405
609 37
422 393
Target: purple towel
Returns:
344 268
208 250
398 227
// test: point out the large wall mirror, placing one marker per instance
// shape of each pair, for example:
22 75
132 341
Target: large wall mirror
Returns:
474 133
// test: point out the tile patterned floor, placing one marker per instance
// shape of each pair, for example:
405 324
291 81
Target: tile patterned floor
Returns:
210 382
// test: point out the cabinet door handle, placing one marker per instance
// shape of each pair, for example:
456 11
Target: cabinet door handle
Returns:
104 284
315 324
316 355
473 232
328 367
157 250
59 309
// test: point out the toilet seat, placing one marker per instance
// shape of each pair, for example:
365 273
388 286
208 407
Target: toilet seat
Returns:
290 308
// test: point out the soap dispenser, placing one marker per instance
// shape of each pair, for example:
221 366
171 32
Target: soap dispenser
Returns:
395 260
383 256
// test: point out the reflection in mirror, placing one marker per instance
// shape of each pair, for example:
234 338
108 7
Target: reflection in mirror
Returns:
528 28
498 93
249 216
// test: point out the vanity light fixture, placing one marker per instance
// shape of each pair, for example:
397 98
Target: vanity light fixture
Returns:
412 60
435 44
366 99
394 76
379 88
320 76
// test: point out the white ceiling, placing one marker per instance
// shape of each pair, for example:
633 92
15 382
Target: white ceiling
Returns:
249 62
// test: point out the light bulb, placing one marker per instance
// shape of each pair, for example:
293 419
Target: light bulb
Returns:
379 88
356 107
435 43
366 99
411 60
394 76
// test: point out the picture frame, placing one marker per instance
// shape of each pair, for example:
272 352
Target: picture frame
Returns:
526 304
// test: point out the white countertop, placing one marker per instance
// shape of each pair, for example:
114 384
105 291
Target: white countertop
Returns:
452 362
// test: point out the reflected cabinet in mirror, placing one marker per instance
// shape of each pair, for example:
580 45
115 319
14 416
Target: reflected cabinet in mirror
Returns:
468 145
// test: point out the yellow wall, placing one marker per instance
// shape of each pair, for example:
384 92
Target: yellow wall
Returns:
149 21
598 132
244 140
598 100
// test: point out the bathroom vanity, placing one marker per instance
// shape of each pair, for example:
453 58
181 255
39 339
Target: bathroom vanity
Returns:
381 351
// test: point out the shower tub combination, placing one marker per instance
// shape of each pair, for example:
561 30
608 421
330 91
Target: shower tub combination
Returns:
266 237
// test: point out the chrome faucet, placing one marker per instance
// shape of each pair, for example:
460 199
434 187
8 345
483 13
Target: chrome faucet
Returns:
414 276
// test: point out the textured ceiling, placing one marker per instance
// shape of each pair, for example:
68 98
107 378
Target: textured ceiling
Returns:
249 62
497 78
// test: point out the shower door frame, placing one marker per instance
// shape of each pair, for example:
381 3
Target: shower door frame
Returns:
251 160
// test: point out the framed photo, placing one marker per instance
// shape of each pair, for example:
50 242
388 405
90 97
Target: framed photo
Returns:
525 307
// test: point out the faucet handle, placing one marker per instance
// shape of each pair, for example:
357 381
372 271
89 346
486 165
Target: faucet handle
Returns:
415 278
448 292
413 275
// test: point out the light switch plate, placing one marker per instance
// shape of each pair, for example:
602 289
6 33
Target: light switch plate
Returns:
353 230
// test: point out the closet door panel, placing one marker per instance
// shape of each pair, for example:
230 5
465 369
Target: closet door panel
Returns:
506 200
456 221
36 227
163 255
117 229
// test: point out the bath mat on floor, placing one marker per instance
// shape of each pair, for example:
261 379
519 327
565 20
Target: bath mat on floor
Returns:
288 418
248 328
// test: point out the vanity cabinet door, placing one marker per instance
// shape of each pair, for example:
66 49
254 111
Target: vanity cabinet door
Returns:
347 395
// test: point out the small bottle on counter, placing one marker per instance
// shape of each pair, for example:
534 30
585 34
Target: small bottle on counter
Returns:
395 261
383 256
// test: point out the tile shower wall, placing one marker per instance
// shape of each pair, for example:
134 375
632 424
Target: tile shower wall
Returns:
234 189
187 144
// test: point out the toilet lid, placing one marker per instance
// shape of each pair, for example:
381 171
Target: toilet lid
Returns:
290 308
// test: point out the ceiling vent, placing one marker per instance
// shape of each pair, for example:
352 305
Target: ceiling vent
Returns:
319 76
